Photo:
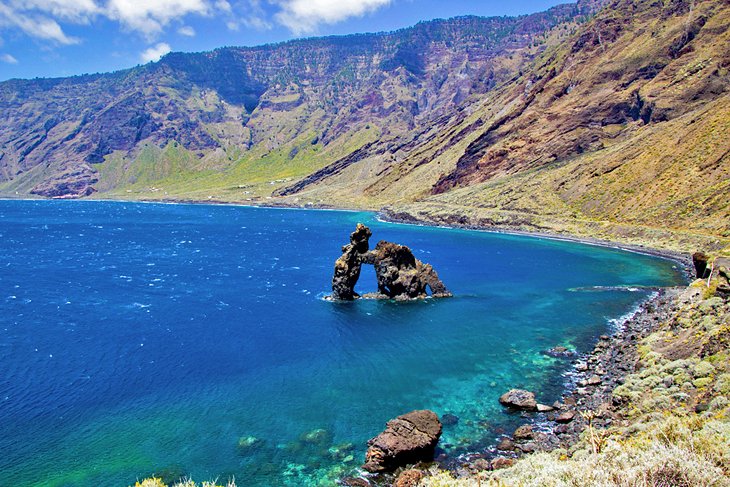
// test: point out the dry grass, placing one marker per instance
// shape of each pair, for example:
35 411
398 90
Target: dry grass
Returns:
156 482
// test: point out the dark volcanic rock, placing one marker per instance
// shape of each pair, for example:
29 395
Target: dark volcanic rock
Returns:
400 275
519 399
407 439
347 267
699 259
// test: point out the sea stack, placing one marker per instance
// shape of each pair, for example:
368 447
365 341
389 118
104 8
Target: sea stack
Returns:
399 274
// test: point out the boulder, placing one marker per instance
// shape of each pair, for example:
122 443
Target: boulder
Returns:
565 417
524 432
407 439
409 478
502 462
519 399
506 444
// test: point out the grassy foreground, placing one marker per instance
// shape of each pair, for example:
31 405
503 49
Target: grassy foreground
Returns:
156 482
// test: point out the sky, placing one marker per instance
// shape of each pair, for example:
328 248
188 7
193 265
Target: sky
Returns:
55 38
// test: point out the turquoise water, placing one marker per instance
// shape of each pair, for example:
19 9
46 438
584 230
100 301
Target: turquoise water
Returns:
142 338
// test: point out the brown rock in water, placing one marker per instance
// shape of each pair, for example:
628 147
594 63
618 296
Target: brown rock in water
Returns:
506 444
400 275
524 432
407 439
565 417
409 478
519 399
355 482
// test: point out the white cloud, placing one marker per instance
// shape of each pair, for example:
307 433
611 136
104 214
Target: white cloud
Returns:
151 16
223 6
78 11
187 31
34 25
40 18
8 58
154 53
255 16
303 16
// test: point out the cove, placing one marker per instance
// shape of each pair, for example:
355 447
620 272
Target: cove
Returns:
193 339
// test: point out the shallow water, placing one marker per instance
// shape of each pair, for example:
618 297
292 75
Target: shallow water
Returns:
141 338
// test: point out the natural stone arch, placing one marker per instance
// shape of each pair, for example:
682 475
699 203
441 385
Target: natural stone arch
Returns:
399 274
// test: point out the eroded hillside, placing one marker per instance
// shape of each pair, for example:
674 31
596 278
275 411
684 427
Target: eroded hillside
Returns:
229 122
614 125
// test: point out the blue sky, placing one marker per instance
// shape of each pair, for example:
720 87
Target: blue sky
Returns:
51 38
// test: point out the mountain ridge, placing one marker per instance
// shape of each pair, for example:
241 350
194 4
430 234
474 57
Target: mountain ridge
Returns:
470 110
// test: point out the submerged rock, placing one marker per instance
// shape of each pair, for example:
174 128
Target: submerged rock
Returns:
449 419
399 274
559 352
519 399
248 444
407 439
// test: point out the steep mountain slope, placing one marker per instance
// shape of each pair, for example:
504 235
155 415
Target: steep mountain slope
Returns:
615 125
245 116
621 131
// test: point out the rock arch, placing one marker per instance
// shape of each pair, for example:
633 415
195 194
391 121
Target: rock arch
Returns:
399 274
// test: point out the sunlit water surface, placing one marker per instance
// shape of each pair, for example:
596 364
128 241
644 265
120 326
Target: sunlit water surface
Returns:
190 339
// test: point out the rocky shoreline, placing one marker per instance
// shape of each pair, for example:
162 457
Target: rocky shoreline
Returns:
588 398
587 401
684 259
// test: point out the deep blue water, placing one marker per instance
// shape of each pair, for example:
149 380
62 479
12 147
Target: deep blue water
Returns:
140 338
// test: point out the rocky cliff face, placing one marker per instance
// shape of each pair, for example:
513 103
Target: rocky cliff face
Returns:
335 94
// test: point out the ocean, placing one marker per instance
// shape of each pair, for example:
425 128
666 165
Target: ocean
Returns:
140 339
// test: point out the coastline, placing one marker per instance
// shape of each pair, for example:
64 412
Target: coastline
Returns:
684 259
589 384
625 339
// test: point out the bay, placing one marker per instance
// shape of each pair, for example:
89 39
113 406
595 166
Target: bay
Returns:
193 339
